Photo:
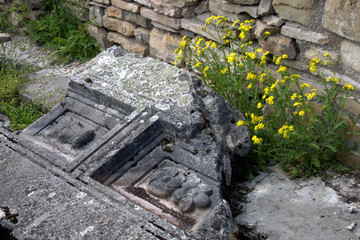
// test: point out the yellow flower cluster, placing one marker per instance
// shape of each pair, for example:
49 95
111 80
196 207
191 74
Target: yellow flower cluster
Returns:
349 86
218 19
281 69
256 140
313 66
285 129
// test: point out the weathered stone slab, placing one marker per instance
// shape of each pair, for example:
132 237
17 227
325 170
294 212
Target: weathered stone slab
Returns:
265 8
343 17
245 2
315 52
128 43
100 34
166 8
196 26
167 21
142 34
128 6
163 45
188 12
107 2
96 15
116 12
235 8
144 2
349 55
182 3
303 34
137 19
280 45
297 11
213 6
118 25
163 27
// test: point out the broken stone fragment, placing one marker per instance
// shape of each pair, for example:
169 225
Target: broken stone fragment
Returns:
280 45
351 226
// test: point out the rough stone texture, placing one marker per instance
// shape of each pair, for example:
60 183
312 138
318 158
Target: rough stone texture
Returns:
167 21
181 3
308 209
315 52
280 45
213 6
96 15
165 8
15 18
234 8
342 17
265 8
100 34
163 45
112 11
4 37
163 27
196 26
202 7
107 2
298 11
128 43
118 25
128 6
303 34
142 34
246 2
137 19
261 28
349 55
272 20
188 12
204 16
144 2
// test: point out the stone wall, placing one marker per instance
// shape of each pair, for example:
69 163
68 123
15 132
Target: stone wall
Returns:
303 29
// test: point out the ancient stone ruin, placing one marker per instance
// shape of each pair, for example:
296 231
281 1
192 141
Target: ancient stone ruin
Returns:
141 129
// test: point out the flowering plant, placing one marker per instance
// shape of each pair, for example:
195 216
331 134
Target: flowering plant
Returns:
291 122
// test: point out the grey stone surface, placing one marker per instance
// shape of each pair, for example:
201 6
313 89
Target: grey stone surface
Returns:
283 209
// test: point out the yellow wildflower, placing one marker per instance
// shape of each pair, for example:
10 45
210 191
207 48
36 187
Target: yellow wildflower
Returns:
281 69
301 113
259 126
349 86
213 45
240 123
284 56
224 70
326 54
304 85
256 140
259 105
249 86
231 57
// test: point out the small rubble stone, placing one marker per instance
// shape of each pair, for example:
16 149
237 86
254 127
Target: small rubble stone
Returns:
188 34
128 43
118 25
280 45
128 6
166 8
349 55
213 6
351 226
116 12
298 11
261 28
353 210
265 8
152 15
235 8
306 35
107 2
142 34
204 16
272 20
